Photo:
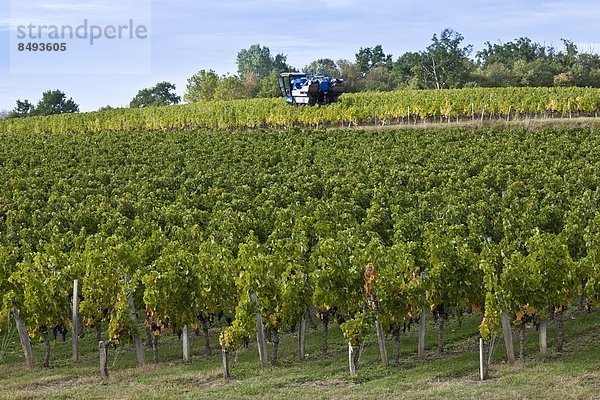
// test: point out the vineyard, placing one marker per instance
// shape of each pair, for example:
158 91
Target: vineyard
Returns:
367 108
252 234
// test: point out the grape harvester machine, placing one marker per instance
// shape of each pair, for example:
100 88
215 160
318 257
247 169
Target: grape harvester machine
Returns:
301 88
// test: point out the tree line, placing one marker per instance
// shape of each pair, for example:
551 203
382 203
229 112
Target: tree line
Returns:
447 63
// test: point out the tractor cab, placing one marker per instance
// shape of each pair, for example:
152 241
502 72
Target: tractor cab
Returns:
291 81
301 88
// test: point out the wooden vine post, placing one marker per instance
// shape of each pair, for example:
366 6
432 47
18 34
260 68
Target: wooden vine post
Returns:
260 333
302 340
353 356
75 320
381 341
103 351
186 344
139 346
543 340
370 278
225 356
422 324
24 338
484 366
154 348
508 337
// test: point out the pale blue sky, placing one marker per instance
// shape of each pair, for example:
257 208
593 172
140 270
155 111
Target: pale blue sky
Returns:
190 35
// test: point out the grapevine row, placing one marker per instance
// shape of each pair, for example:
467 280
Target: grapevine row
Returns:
403 106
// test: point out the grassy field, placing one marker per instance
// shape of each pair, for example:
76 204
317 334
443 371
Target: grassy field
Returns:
575 373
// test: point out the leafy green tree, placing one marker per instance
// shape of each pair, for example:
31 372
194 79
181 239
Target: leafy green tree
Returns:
251 85
537 73
257 60
446 61
23 109
568 58
229 88
368 58
162 94
280 64
406 69
350 73
323 66
521 49
54 102
201 86
378 79
586 71
269 86
494 75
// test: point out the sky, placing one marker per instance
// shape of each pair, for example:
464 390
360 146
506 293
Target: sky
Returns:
186 36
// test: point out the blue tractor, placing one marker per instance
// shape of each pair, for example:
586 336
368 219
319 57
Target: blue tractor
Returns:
301 88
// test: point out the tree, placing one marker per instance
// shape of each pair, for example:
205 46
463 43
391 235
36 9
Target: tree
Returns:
229 88
537 73
379 79
201 86
368 58
568 59
406 68
323 66
521 49
446 61
350 74
257 60
160 95
280 64
23 109
494 75
586 71
54 102
251 86
269 86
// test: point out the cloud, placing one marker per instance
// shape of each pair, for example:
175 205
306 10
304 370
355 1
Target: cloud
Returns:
70 6
70 11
